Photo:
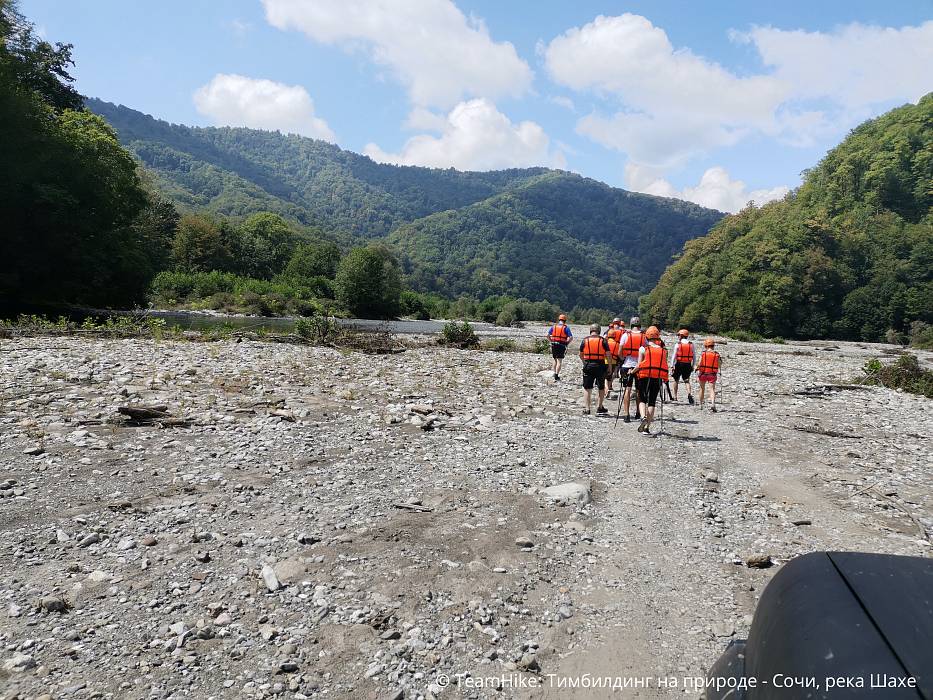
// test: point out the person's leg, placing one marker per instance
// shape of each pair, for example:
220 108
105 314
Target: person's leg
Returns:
712 395
586 400
676 387
689 386
702 391
602 396
626 395
557 364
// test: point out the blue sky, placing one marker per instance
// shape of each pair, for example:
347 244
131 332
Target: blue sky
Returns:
717 102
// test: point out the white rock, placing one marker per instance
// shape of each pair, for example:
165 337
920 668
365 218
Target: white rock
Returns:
270 579
571 491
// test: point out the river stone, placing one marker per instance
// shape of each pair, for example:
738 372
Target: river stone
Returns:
571 491
288 571
270 579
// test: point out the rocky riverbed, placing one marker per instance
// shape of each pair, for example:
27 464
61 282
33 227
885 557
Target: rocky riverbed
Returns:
327 523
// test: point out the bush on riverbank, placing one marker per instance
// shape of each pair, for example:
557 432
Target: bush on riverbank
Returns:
906 374
230 293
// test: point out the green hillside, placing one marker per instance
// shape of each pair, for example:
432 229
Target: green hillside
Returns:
534 233
561 237
236 171
848 255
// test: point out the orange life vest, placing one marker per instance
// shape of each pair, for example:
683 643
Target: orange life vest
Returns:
613 346
593 349
558 334
709 362
684 353
654 364
633 343
614 333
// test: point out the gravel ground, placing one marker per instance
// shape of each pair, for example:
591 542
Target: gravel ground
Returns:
347 525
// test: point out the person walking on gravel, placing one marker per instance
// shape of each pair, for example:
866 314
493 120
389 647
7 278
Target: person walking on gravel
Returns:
594 351
708 371
684 362
614 337
632 341
652 374
560 336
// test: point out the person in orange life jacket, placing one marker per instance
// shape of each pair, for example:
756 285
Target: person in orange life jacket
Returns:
594 351
631 343
560 336
652 374
612 362
684 362
614 336
708 371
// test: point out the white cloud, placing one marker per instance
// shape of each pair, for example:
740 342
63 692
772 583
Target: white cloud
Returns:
715 190
855 66
476 136
235 100
240 28
562 101
439 54
677 104
674 105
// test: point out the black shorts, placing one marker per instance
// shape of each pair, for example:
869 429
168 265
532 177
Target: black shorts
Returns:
593 373
648 390
626 376
682 371
558 350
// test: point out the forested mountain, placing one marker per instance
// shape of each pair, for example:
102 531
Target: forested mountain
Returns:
238 171
848 255
557 236
534 232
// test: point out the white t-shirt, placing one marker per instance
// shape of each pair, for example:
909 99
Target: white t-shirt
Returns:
631 360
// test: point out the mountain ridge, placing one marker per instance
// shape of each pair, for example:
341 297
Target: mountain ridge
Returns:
616 243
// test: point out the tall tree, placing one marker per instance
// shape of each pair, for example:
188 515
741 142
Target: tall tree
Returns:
369 283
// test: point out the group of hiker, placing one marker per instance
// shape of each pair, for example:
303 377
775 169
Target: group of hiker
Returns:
640 361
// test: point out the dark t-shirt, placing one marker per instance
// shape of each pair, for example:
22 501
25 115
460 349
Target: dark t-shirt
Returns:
605 349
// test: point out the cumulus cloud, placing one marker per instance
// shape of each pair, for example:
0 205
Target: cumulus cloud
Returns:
677 104
674 105
235 100
476 136
855 66
716 189
439 54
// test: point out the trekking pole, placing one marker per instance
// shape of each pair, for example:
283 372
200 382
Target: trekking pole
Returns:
661 431
619 407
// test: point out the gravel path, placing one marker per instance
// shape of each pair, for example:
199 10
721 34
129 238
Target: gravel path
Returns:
346 525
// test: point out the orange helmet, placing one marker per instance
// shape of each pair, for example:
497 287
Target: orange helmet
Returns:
652 333
683 332
708 343
562 317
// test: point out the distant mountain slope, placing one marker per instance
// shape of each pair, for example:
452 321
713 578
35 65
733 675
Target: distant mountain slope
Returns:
236 171
558 236
849 255
534 232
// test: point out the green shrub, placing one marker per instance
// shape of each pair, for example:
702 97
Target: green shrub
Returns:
541 346
461 334
921 335
906 373
744 336
318 329
499 345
